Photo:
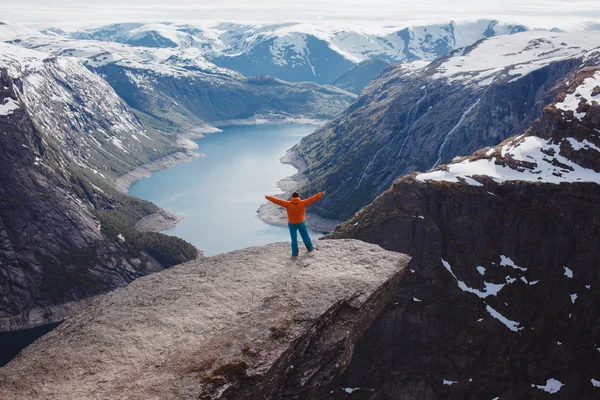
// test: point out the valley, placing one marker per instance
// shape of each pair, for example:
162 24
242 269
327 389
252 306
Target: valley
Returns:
461 164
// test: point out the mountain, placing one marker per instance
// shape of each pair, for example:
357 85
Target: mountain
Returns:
66 234
415 118
178 89
502 296
359 76
251 324
81 112
300 52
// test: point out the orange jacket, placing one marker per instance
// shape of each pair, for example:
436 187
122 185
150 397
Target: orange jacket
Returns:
296 206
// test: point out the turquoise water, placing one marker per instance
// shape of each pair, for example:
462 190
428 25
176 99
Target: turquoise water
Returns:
220 192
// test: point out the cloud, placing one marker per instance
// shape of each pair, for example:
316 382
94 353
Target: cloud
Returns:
365 13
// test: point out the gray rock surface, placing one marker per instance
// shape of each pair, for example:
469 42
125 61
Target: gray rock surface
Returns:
251 324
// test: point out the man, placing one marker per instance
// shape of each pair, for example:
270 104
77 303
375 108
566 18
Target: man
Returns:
295 212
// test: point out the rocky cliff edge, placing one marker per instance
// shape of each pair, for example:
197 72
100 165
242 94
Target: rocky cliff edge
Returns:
251 324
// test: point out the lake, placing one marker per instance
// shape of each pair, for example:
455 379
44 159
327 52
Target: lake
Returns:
220 193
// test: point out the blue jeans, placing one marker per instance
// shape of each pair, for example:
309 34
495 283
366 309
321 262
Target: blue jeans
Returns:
294 228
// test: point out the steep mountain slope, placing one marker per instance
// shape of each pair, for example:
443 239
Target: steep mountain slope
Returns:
81 112
301 52
178 89
502 296
66 235
359 76
413 118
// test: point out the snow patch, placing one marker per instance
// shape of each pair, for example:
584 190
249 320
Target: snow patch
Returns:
512 325
491 289
9 106
586 145
584 91
507 262
568 272
531 149
552 386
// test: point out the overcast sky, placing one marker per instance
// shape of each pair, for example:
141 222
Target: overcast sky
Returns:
80 13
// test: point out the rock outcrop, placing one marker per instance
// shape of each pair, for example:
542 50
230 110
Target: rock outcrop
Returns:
502 295
251 324
414 118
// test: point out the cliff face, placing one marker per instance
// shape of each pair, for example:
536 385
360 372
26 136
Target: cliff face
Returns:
415 118
251 324
52 250
502 296
66 235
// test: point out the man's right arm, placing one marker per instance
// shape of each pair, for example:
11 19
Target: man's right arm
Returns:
277 201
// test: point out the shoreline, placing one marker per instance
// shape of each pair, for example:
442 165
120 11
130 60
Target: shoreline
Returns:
124 182
268 213
272 214
163 219
264 120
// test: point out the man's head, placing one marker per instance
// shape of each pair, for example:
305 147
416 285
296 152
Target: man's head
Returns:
295 194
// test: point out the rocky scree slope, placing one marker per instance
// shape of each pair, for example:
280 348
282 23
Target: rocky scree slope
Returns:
414 118
66 235
501 298
179 90
251 324
299 52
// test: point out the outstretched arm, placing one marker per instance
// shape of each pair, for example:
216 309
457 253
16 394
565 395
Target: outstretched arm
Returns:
314 198
277 201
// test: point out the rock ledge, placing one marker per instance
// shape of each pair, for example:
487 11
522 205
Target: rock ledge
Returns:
251 324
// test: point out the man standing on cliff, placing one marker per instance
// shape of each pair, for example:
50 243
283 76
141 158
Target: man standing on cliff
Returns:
295 212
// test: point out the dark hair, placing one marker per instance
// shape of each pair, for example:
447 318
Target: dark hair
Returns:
295 194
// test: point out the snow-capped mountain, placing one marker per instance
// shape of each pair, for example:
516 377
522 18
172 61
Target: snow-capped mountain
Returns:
299 52
564 146
415 117
177 88
503 284
79 110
